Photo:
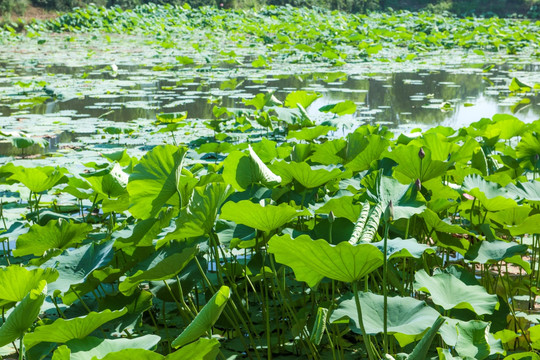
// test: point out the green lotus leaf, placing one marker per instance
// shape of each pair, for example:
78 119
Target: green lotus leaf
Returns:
411 166
205 319
62 330
327 152
202 349
342 206
341 108
310 133
504 127
39 179
241 170
450 292
405 315
484 252
312 260
23 316
91 347
319 326
525 191
529 355
529 226
446 354
304 98
518 86
57 234
472 340
421 349
372 148
400 248
155 181
529 145
22 142
200 215
143 232
450 334
74 266
406 201
491 195
308 176
141 354
159 269
16 282
109 183
266 218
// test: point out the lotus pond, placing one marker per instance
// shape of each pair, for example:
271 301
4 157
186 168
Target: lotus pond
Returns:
274 184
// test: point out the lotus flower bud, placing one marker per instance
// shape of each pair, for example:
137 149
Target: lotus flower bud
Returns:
389 212
536 158
418 184
331 217
421 153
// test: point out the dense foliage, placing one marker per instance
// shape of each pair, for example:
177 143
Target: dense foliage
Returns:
260 231
502 8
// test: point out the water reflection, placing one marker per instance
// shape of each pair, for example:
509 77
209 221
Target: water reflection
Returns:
398 100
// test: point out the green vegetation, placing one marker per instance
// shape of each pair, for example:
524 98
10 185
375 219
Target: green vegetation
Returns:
272 225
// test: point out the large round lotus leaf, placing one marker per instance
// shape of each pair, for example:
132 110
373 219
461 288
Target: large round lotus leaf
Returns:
56 234
312 260
405 315
265 218
450 292
155 181
411 166
308 176
39 179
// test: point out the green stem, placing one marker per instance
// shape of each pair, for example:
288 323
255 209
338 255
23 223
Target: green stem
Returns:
367 340
385 290
21 348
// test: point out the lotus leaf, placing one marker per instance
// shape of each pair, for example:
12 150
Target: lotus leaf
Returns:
312 260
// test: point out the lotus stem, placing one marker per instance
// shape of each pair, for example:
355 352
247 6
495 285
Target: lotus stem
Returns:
367 340
385 290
